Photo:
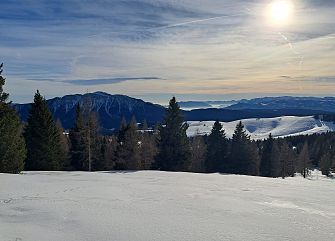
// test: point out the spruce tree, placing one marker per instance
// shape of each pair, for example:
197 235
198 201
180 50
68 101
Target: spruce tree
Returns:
128 154
244 156
216 149
3 95
85 140
65 146
274 160
173 146
286 160
43 138
148 147
198 154
108 151
78 149
95 162
12 145
265 166
304 162
253 160
326 164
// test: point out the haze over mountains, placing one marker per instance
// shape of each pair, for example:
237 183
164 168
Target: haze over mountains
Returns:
112 108
282 102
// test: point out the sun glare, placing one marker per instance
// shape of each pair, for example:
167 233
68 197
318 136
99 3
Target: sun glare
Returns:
280 12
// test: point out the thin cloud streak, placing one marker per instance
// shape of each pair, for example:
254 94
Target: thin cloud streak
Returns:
94 82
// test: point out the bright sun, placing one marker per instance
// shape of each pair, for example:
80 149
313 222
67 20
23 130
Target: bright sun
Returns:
280 12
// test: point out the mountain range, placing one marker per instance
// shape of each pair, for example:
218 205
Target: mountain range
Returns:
112 108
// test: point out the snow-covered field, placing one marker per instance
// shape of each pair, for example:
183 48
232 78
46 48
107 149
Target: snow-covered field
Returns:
262 127
161 206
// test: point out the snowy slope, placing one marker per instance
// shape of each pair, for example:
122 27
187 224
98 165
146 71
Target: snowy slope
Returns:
152 206
262 127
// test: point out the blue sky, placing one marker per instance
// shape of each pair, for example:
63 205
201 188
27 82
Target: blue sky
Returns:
153 49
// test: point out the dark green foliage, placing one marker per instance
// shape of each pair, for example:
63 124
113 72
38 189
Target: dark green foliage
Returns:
317 149
95 162
277 159
3 95
198 154
86 152
217 147
244 156
304 162
274 160
148 148
128 150
286 160
326 164
43 138
12 145
174 152
253 160
266 160
108 150
65 146
78 150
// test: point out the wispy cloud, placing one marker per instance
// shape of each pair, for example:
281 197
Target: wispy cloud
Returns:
315 79
107 81
201 47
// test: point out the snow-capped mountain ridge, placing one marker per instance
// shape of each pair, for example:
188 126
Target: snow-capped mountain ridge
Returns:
109 108
99 100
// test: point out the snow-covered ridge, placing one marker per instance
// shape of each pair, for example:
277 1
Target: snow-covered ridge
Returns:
261 128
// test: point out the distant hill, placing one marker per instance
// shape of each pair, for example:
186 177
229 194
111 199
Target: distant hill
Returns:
112 108
326 104
260 128
190 105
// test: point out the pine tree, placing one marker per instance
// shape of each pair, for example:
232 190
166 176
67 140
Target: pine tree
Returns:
128 154
3 95
326 164
275 160
216 149
85 140
198 154
253 160
94 142
43 138
244 156
108 151
287 167
65 147
12 145
304 162
266 160
148 148
174 152
77 135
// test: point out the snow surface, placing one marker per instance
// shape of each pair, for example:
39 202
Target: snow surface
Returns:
162 206
261 128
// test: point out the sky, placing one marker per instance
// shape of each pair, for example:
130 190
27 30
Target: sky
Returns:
154 49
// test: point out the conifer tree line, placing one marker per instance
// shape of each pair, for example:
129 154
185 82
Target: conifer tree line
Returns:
42 144
12 144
